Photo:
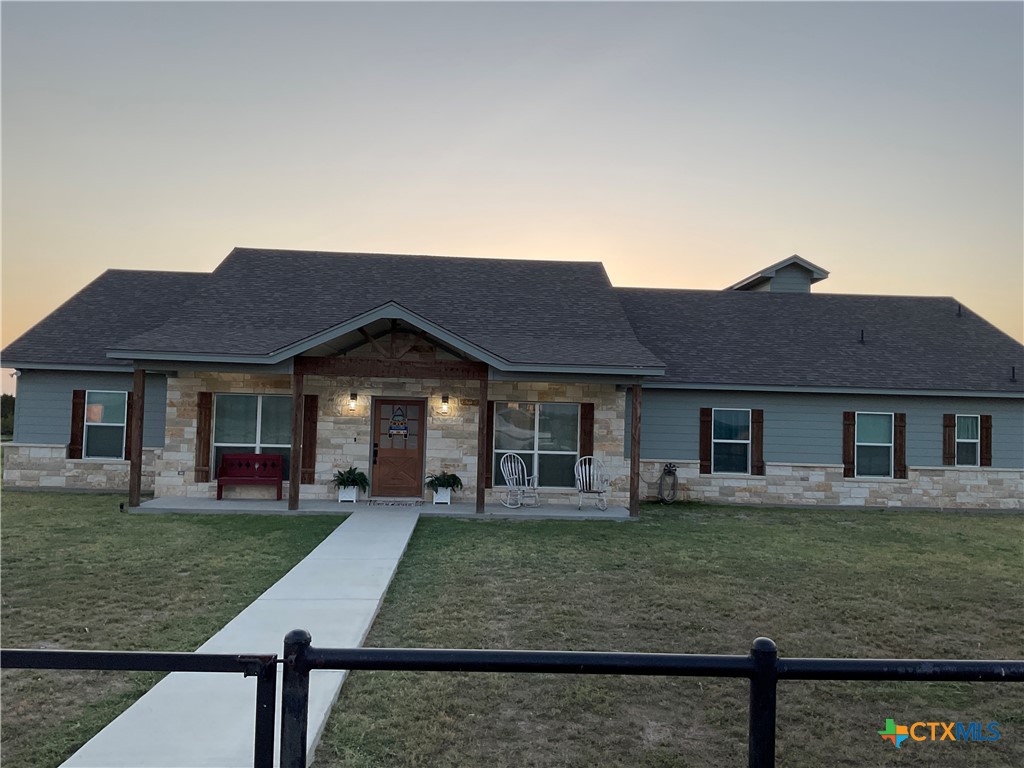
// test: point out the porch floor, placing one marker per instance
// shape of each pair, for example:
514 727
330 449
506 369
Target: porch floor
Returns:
194 505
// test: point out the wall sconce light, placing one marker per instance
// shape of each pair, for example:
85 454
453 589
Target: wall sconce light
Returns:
351 401
444 405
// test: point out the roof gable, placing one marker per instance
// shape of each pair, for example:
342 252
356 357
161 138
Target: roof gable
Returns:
812 273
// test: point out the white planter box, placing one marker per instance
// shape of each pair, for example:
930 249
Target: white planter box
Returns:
443 496
348 493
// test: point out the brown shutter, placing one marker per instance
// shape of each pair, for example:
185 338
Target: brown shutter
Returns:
899 446
586 429
849 443
986 441
948 439
489 447
757 441
310 404
128 428
77 424
705 441
204 418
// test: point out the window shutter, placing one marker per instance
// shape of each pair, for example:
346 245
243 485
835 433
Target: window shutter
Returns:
849 443
310 404
489 452
899 446
204 417
586 429
128 428
756 441
77 424
705 441
948 439
986 441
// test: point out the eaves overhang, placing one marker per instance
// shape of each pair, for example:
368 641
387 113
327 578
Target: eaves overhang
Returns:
834 390
389 311
30 366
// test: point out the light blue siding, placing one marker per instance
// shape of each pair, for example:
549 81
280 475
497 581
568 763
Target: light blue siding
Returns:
791 279
808 428
42 407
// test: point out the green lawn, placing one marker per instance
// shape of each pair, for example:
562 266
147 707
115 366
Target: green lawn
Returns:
77 573
691 579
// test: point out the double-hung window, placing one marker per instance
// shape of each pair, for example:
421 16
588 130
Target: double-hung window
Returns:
968 440
106 415
252 424
874 444
730 441
545 435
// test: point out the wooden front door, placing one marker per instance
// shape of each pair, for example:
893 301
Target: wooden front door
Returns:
398 448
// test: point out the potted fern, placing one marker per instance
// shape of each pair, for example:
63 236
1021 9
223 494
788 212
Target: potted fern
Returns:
442 484
349 483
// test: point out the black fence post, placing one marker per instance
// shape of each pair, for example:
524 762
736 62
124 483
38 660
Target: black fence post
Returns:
295 699
761 744
266 702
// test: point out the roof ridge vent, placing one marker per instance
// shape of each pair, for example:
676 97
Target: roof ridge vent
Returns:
792 275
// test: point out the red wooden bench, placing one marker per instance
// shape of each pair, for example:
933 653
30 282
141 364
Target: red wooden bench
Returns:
250 469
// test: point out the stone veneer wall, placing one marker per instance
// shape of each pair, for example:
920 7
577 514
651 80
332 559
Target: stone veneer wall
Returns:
175 469
609 430
786 484
36 465
344 437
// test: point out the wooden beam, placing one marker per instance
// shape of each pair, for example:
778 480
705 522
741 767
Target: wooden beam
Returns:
481 447
135 449
295 470
380 350
634 451
456 353
408 349
391 340
390 369
357 344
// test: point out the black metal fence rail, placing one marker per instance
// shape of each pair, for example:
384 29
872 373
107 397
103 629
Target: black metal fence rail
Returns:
262 667
762 667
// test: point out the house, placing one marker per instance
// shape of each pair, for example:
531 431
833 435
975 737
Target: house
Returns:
765 392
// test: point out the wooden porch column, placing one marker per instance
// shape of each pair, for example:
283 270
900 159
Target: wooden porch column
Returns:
295 471
481 448
634 452
135 449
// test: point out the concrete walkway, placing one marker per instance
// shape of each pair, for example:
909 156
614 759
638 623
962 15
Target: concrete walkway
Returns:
201 720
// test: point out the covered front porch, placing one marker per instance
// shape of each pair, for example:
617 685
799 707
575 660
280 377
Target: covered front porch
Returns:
206 506
393 399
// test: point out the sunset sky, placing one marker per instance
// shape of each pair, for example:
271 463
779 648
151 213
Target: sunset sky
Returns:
682 144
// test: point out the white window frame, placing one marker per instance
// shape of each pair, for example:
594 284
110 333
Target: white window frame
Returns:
533 470
746 442
86 424
957 440
891 445
214 445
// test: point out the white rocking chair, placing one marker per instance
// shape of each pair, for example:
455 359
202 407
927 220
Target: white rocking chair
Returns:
521 488
592 479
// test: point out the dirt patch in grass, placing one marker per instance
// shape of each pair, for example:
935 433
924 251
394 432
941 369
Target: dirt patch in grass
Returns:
700 580
77 573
